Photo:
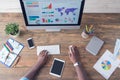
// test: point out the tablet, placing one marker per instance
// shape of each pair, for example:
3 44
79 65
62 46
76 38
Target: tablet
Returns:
57 67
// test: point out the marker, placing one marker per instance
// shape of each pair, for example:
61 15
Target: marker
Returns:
6 47
9 45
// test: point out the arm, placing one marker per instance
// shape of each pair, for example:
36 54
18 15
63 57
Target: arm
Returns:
41 61
80 72
73 55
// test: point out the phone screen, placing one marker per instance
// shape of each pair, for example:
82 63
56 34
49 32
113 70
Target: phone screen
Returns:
30 42
57 67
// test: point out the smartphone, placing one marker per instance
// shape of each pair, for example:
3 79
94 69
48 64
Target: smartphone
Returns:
57 67
30 43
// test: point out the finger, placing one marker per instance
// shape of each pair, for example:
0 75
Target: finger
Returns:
46 52
73 50
43 53
70 54
76 51
70 49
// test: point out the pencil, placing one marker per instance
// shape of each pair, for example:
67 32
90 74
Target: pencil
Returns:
91 27
86 28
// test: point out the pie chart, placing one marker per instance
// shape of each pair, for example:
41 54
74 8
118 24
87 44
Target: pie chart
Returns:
106 65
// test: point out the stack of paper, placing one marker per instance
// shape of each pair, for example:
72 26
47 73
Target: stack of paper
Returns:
106 65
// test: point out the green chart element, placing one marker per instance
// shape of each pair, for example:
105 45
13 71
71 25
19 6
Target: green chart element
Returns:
106 65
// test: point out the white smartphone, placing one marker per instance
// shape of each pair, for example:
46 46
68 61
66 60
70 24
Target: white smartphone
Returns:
57 67
30 43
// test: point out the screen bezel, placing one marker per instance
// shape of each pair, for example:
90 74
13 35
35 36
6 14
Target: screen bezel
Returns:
26 21
53 65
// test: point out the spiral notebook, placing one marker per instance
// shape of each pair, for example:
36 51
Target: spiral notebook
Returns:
10 51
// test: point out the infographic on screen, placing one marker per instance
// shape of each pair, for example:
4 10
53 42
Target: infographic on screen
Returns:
52 11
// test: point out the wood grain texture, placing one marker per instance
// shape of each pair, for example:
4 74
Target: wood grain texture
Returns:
91 6
107 27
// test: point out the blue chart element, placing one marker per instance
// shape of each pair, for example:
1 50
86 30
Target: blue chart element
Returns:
33 18
68 10
32 4
60 10
106 65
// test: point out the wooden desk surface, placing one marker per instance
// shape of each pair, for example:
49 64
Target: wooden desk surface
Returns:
107 28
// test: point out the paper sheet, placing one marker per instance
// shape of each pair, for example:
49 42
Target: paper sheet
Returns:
117 49
106 65
52 49
10 59
3 54
17 47
117 46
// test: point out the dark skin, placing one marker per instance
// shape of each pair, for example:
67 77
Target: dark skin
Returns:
42 58
74 57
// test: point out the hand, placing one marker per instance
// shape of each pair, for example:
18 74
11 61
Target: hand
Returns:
73 54
43 57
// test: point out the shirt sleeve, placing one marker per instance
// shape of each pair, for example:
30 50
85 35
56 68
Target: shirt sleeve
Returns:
24 78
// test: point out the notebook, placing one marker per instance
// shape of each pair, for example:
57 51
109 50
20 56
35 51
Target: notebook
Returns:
10 51
94 45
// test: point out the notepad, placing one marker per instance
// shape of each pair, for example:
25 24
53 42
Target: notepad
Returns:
52 49
10 51
94 45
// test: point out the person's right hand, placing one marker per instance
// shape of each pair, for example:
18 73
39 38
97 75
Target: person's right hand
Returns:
73 54
42 58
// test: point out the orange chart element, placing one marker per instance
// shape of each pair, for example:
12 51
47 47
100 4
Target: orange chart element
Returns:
49 6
